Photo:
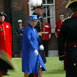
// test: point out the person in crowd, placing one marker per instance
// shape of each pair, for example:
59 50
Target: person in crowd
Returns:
5 35
68 40
46 34
31 59
57 32
5 64
19 32
38 10
58 25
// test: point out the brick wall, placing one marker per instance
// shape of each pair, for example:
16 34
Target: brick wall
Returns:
18 5
60 8
1 5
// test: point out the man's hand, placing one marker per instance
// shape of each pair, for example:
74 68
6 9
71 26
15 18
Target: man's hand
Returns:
36 52
49 36
56 35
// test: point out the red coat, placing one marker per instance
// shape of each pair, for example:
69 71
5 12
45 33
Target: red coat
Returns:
46 31
58 26
6 38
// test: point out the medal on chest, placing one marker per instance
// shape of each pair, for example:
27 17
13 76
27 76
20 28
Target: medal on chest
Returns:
1 29
6 26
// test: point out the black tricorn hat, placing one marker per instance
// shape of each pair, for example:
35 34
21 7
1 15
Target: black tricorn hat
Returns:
71 4
5 62
35 7
3 14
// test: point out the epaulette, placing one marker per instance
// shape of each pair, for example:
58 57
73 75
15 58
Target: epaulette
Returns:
66 18
62 56
39 23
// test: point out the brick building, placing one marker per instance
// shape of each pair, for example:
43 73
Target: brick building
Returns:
19 9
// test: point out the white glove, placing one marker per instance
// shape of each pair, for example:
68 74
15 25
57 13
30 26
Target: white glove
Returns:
36 52
49 36
41 47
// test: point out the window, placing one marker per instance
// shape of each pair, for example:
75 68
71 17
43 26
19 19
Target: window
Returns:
44 1
48 2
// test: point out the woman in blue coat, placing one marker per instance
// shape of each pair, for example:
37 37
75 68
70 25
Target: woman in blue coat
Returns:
31 59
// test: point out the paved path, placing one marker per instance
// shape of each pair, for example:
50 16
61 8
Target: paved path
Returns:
53 53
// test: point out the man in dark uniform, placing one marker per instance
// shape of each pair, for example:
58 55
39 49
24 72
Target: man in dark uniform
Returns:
68 40
57 32
38 10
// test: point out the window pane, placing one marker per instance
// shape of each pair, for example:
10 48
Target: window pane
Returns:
43 1
44 12
49 1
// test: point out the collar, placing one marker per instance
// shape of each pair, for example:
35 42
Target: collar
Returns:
74 15
36 14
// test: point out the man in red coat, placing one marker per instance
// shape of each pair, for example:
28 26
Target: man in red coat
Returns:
58 24
5 36
46 34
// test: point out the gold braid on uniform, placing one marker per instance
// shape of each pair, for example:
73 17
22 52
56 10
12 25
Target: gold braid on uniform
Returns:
62 56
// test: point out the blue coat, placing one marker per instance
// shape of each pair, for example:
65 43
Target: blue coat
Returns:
30 62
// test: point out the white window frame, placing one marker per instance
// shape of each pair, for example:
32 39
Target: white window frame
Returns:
53 4
49 3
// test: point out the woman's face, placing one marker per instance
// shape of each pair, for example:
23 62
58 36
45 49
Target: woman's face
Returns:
20 24
33 23
2 18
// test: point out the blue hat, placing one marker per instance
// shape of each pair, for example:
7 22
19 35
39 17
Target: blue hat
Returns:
32 17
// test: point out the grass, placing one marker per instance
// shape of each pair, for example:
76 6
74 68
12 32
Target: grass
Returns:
54 68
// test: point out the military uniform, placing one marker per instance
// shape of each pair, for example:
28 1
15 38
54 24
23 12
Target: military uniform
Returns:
38 28
68 35
46 33
58 26
42 54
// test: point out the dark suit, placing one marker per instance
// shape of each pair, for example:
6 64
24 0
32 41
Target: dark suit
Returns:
68 42
38 28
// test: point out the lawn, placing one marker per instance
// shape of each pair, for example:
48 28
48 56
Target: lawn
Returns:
54 68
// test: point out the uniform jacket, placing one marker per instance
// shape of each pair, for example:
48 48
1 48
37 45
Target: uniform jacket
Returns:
38 28
68 35
30 44
6 38
58 26
46 31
